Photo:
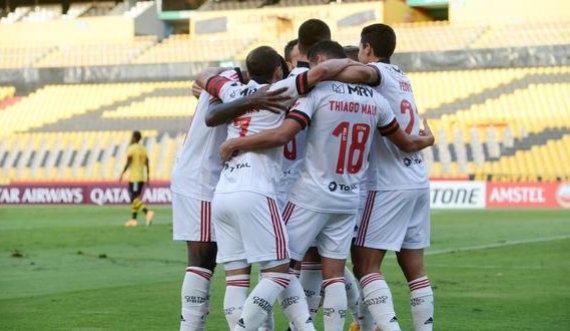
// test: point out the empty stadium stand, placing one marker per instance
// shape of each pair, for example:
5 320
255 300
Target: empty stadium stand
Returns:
493 123
81 156
182 48
106 52
412 37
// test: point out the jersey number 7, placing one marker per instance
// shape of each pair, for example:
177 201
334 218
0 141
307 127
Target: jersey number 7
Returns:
359 136
243 124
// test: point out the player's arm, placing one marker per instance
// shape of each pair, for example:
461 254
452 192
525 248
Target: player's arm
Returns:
266 139
273 101
126 167
196 90
408 143
359 74
203 77
329 70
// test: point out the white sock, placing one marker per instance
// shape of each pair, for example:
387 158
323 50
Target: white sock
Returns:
269 323
366 320
311 280
294 304
352 295
260 301
236 294
421 300
378 298
195 299
334 304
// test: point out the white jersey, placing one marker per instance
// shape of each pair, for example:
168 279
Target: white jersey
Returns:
197 168
253 171
294 151
391 168
342 118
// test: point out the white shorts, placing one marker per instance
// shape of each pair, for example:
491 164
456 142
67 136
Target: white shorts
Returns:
393 220
191 219
248 227
285 185
362 198
330 233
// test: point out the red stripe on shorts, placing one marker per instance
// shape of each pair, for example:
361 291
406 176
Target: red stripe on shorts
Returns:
205 221
288 211
361 237
277 229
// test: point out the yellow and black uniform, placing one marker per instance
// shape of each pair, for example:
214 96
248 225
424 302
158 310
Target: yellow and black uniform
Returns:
138 156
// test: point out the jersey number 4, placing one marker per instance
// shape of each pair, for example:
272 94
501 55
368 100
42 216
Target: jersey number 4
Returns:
358 137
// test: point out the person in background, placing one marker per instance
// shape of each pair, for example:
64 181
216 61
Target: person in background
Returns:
137 161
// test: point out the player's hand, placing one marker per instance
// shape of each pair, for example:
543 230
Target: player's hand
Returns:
273 101
196 90
227 150
426 132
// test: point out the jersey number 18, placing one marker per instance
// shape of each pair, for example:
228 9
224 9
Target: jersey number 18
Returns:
359 137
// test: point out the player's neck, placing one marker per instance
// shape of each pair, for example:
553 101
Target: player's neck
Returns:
302 58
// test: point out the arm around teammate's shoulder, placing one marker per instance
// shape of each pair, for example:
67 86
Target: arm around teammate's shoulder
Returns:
222 113
329 70
266 139
359 74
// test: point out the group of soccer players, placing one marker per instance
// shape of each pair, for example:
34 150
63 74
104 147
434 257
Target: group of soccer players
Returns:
320 158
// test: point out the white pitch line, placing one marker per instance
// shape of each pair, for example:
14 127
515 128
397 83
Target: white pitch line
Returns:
497 245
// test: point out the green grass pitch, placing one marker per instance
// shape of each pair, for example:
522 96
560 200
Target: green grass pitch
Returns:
78 268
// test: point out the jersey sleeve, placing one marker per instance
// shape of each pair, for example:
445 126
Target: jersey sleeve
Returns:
387 123
379 70
296 85
223 88
303 110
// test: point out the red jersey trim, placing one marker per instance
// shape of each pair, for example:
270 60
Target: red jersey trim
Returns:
215 84
390 128
302 83
300 117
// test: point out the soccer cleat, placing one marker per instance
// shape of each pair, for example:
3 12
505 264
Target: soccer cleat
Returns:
354 327
148 217
131 223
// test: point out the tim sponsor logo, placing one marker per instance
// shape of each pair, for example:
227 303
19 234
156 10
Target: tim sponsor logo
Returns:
334 186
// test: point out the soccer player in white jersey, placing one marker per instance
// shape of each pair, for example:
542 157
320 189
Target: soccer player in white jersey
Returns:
310 32
397 212
324 199
194 177
247 220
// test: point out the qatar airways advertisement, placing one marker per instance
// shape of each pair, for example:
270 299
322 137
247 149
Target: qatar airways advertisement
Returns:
80 193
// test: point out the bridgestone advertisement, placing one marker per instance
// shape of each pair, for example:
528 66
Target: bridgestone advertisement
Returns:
457 194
